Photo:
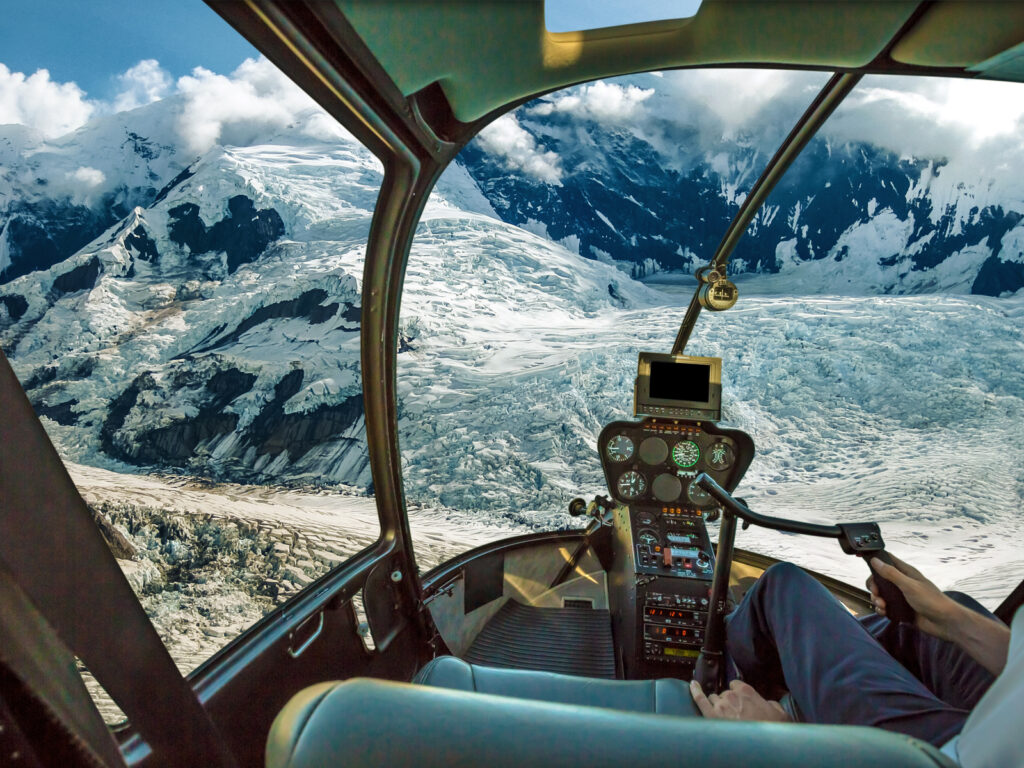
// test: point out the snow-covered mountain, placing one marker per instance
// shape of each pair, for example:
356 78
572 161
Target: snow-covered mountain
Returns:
628 171
200 311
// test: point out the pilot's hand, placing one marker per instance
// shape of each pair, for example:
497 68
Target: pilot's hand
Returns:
740 702
934 609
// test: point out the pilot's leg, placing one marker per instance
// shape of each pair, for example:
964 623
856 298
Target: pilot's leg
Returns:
943 667
789 630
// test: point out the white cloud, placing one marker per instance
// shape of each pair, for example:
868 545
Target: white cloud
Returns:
507 139
38 102
602 101
142 84
236 110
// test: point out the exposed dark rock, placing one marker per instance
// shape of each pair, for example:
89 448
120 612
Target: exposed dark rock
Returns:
298 433
243 234
142 245
176 443
166 190
61 412
274 431
353 313
42 234
118 411
226 386
997 277
67 369
991 222
81 278
40 377
16 306
141 146
306 305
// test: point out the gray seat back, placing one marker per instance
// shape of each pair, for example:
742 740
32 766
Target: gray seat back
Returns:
365 722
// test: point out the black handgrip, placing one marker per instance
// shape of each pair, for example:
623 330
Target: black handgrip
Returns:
897 608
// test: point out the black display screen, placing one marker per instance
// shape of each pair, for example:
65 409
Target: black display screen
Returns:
680 381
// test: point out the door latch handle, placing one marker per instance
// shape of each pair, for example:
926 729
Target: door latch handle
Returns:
296 652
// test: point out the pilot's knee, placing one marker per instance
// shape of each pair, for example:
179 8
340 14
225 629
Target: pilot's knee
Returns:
784 573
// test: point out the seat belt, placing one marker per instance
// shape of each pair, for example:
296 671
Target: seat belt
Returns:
1009 606
56 555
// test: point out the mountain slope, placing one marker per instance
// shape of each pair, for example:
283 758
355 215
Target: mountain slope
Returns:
653 188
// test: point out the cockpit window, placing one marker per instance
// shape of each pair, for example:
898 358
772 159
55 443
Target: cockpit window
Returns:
868 355
180 296
573 15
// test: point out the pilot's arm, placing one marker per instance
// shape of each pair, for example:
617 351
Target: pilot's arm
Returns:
985 640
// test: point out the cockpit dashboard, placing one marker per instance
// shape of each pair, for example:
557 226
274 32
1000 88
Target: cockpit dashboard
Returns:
660 583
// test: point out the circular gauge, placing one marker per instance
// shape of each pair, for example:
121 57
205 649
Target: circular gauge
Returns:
686 453
698 496
631 485
721 456
647 537
666 487
619 448
645 518
653 450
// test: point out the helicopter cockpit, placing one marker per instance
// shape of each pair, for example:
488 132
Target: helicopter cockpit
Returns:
580 638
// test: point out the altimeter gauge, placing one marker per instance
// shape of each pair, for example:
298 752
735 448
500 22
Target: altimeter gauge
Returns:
685 453
631 485
721 456
619 448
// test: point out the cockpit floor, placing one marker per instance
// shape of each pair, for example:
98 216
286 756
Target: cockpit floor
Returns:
571 640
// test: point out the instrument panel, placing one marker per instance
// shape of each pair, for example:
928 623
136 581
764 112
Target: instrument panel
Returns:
655 461
661 583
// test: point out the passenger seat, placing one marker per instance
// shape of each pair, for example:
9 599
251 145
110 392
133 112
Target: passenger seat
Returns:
661 697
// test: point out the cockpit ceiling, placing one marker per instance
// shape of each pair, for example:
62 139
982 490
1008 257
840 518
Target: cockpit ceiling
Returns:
487 54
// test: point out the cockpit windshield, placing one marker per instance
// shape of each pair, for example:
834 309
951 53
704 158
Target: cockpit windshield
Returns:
860 354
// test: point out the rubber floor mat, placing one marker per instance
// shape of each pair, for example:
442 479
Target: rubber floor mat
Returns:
573 641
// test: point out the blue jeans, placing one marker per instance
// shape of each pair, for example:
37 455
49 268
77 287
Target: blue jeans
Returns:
790 633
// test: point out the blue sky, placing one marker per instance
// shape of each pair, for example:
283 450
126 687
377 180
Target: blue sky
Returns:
90 42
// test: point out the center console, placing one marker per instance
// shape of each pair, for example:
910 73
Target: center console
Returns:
663 565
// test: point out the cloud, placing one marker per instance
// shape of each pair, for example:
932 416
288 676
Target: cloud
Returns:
602 102
143 84
36 101
507 139
236 110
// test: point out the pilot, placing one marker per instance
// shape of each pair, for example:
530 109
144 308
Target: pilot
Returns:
946 679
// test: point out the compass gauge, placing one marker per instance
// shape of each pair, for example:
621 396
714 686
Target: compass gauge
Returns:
619 448
685 453
631 485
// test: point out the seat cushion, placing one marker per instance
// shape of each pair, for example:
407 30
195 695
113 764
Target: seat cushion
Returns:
662 697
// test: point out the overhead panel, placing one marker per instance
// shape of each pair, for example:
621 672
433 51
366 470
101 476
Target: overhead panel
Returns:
959 34
489 53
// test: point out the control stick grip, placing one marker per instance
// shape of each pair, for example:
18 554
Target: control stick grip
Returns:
897 609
